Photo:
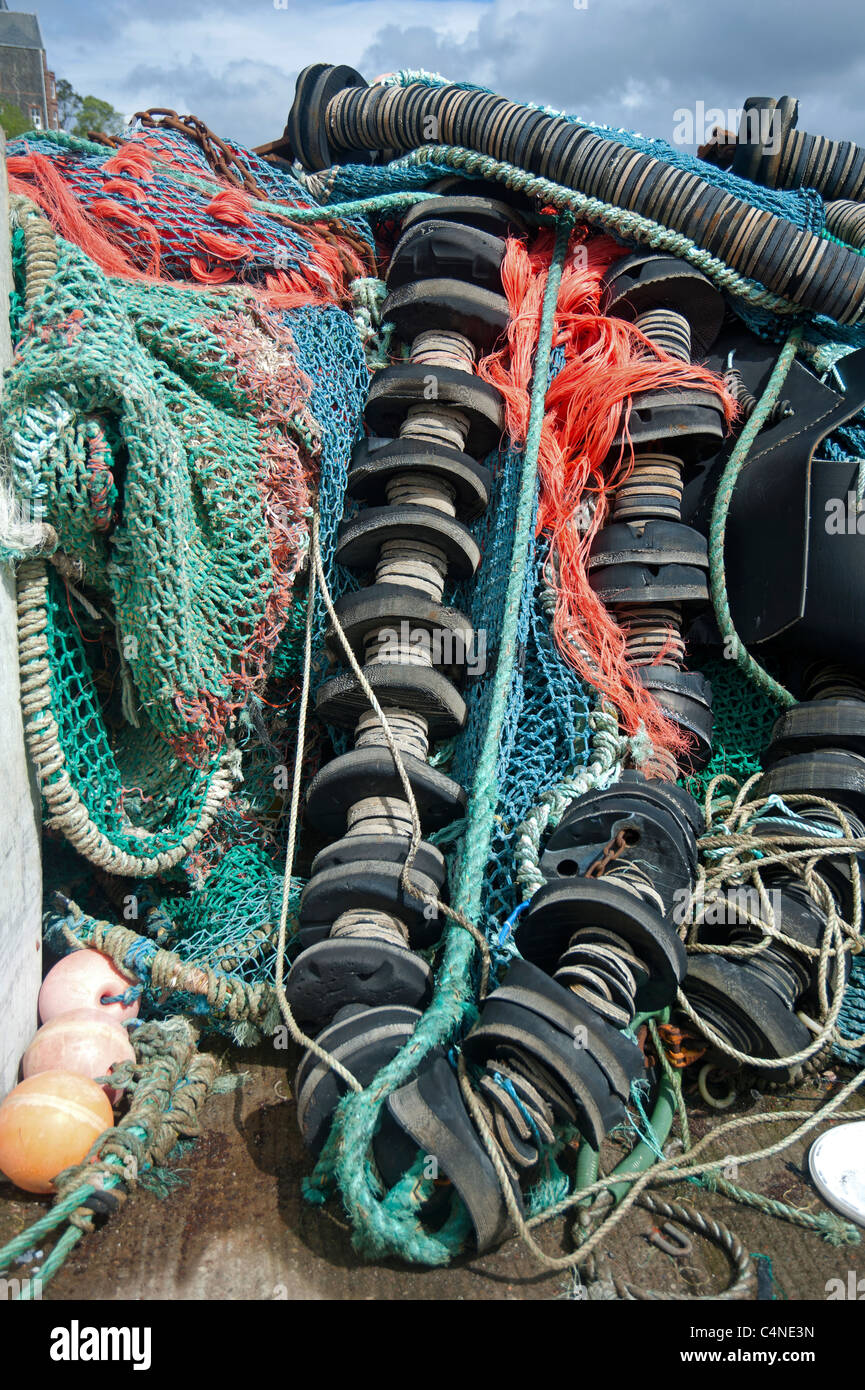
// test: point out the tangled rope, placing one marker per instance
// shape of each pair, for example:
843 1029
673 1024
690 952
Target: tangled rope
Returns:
165 972
738 853
68 811
169 1082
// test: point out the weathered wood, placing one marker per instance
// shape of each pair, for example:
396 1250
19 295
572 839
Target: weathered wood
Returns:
20 876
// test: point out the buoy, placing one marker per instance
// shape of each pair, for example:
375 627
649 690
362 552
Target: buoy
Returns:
837 1163
81 981
48 1123
85 1041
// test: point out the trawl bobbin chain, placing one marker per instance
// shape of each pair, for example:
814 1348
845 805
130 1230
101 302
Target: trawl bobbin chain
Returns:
347 116
359 984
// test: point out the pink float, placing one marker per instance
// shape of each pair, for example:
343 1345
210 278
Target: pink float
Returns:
85 1041
81 981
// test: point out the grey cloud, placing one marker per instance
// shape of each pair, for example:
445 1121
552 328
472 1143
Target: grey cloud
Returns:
628 63
671 56
247 101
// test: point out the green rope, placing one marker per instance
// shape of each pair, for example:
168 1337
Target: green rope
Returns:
484 797
619 221
857 250
52 1264
746 663
827 1224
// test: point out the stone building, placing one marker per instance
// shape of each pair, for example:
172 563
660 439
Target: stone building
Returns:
25 79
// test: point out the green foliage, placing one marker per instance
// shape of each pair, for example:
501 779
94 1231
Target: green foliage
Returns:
68 103
95 114
12 119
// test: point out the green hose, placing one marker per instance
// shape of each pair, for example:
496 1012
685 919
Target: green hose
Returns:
643 1154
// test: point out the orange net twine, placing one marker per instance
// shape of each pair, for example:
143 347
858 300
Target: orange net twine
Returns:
100 225
607 361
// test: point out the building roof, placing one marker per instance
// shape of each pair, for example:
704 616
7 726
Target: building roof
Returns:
19 30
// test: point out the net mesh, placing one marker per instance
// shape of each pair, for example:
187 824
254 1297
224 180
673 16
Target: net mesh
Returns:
193 379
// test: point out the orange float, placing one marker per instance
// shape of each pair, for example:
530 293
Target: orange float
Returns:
48 1123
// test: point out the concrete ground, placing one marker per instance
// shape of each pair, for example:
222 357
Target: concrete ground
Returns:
237 1226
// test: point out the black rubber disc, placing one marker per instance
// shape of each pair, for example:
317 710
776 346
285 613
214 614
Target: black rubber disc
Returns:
395 390
721 987
831 773
353 849
646 281
431 1111
364 1043
686 698
361 537
375 884
372 467
504 1026
634 584
366 772
559 910
436 250
443 633
397 686
480 314
819 724
620 1060
487 214
654 542
349 970
306 130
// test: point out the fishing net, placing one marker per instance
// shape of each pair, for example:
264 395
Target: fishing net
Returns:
156 667
187 388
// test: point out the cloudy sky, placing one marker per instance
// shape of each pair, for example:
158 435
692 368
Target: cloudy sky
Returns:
632 63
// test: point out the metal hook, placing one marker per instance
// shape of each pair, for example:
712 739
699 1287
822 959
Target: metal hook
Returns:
675 1243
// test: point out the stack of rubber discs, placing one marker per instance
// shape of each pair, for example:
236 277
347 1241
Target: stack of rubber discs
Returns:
817 750
651 570
809 270
599 944
771 151
846 220
359 985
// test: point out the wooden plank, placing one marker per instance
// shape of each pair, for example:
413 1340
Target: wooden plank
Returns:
20 874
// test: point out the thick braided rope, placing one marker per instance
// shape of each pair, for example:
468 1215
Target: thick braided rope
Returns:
744 1274
826 1224
621 222
40 246
68 812
171 1082
608 750
165 972
717 575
